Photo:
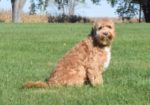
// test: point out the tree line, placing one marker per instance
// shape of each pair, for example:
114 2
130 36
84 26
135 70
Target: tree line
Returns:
125 8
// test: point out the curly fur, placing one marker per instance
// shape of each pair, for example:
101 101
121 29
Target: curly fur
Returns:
85 62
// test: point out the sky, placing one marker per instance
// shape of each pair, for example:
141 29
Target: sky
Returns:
87 9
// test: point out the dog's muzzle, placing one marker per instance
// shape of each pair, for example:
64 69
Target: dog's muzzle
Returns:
104 39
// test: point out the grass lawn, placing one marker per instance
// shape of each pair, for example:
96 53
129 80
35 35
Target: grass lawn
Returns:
30 51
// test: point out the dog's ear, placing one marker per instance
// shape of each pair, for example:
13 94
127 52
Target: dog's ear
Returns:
93 31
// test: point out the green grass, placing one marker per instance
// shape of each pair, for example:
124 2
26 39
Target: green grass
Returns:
30 51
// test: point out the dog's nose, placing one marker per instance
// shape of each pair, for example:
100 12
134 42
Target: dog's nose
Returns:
105 33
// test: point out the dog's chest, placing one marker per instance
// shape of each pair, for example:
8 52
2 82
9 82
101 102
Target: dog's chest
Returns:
108 57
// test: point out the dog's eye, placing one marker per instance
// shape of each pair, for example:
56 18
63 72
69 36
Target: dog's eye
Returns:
99 28
109 27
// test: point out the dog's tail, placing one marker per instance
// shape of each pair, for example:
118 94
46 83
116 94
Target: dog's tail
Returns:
36 84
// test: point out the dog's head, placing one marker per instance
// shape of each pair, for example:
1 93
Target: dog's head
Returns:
103 32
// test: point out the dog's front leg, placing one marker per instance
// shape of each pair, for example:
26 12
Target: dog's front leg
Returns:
94 77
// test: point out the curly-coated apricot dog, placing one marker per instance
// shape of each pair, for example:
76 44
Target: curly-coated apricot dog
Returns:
85 62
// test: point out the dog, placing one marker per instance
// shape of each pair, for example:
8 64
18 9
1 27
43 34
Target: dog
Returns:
84 63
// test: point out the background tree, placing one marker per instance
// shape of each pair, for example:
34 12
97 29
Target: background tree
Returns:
61 5
113 2
42 5
17 6
68 5
32 8
95 1
126 9
71 6
145 6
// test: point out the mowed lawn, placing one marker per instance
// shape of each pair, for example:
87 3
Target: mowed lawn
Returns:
30 52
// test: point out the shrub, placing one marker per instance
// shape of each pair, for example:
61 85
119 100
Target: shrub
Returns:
69 19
